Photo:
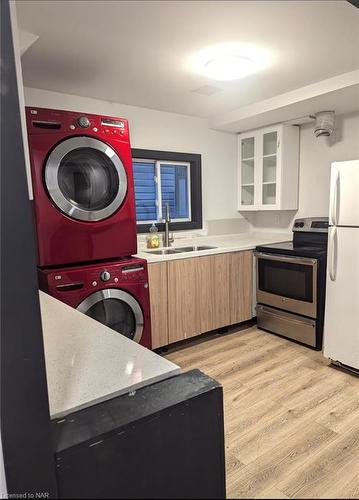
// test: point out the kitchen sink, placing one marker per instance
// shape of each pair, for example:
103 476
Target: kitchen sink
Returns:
196 248
171 251
165 251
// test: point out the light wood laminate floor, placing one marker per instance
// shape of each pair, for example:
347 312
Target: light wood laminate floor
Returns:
291 421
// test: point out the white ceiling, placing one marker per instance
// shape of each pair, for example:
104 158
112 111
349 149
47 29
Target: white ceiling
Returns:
137 52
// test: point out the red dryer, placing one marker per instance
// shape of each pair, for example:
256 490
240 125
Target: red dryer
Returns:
83 186
115 294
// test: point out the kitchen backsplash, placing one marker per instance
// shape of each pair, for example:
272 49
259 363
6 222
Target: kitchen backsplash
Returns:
211 227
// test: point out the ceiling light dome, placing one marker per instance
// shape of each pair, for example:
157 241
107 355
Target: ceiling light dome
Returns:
229 67
230 61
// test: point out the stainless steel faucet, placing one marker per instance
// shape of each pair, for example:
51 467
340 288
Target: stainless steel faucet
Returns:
167 240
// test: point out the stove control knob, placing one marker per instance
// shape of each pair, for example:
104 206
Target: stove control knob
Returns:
105 276
301 224
83 121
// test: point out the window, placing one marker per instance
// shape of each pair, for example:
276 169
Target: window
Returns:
158 183
163 178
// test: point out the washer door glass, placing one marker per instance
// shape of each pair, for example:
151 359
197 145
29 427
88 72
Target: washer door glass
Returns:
85 178
116 309
116 315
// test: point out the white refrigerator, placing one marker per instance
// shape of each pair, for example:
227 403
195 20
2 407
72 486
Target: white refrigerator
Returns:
341 324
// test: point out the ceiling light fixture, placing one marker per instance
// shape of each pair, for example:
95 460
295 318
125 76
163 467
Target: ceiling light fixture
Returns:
230 61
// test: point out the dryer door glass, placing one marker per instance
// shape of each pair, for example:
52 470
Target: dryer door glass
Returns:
86 178
116 309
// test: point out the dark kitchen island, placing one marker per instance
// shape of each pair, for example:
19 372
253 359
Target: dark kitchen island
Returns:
165 440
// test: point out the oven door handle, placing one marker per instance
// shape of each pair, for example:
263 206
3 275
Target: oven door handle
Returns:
283 258
332 254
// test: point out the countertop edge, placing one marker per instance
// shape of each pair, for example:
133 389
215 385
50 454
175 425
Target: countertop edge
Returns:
152 258
121 392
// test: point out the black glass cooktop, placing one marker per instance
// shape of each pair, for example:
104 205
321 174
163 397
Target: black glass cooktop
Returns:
288 248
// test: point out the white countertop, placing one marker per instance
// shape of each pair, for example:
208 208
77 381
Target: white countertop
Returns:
224 244
87 362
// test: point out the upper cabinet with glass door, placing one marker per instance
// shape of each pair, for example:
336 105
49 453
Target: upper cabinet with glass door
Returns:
268 169
248 149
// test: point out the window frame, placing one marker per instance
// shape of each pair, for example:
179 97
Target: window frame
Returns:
194 162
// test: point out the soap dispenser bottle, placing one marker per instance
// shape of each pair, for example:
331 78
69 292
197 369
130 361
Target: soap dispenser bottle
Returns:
153 238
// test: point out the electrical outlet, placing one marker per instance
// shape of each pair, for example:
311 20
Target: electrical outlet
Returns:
277 219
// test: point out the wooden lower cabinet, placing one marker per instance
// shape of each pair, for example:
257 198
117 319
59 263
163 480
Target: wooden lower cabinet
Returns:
196 295
241 283
183 299
213 292
157 279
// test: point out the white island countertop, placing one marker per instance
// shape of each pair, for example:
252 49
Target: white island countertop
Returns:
87 362
223 243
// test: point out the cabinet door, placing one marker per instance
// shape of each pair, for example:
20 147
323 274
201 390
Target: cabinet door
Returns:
213 285
269 150
183 299
247 172
157 276
240 272
268 169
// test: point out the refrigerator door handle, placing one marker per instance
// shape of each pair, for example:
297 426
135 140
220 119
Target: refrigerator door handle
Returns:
334 208
332 253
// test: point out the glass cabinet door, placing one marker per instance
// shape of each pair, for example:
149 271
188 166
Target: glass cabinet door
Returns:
269 163
247 171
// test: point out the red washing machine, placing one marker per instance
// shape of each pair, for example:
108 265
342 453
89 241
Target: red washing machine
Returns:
83 186
115 294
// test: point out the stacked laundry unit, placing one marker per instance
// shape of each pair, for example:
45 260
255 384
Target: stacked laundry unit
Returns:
85 218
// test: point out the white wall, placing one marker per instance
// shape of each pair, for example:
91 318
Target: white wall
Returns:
151 129
316 156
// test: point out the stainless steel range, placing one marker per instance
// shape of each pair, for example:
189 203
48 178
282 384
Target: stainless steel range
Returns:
291 283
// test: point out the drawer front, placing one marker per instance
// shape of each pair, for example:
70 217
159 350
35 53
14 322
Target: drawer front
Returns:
289 325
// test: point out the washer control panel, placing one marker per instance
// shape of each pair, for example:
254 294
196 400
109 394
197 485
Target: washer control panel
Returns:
97 277
105 276
133 272
83 121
